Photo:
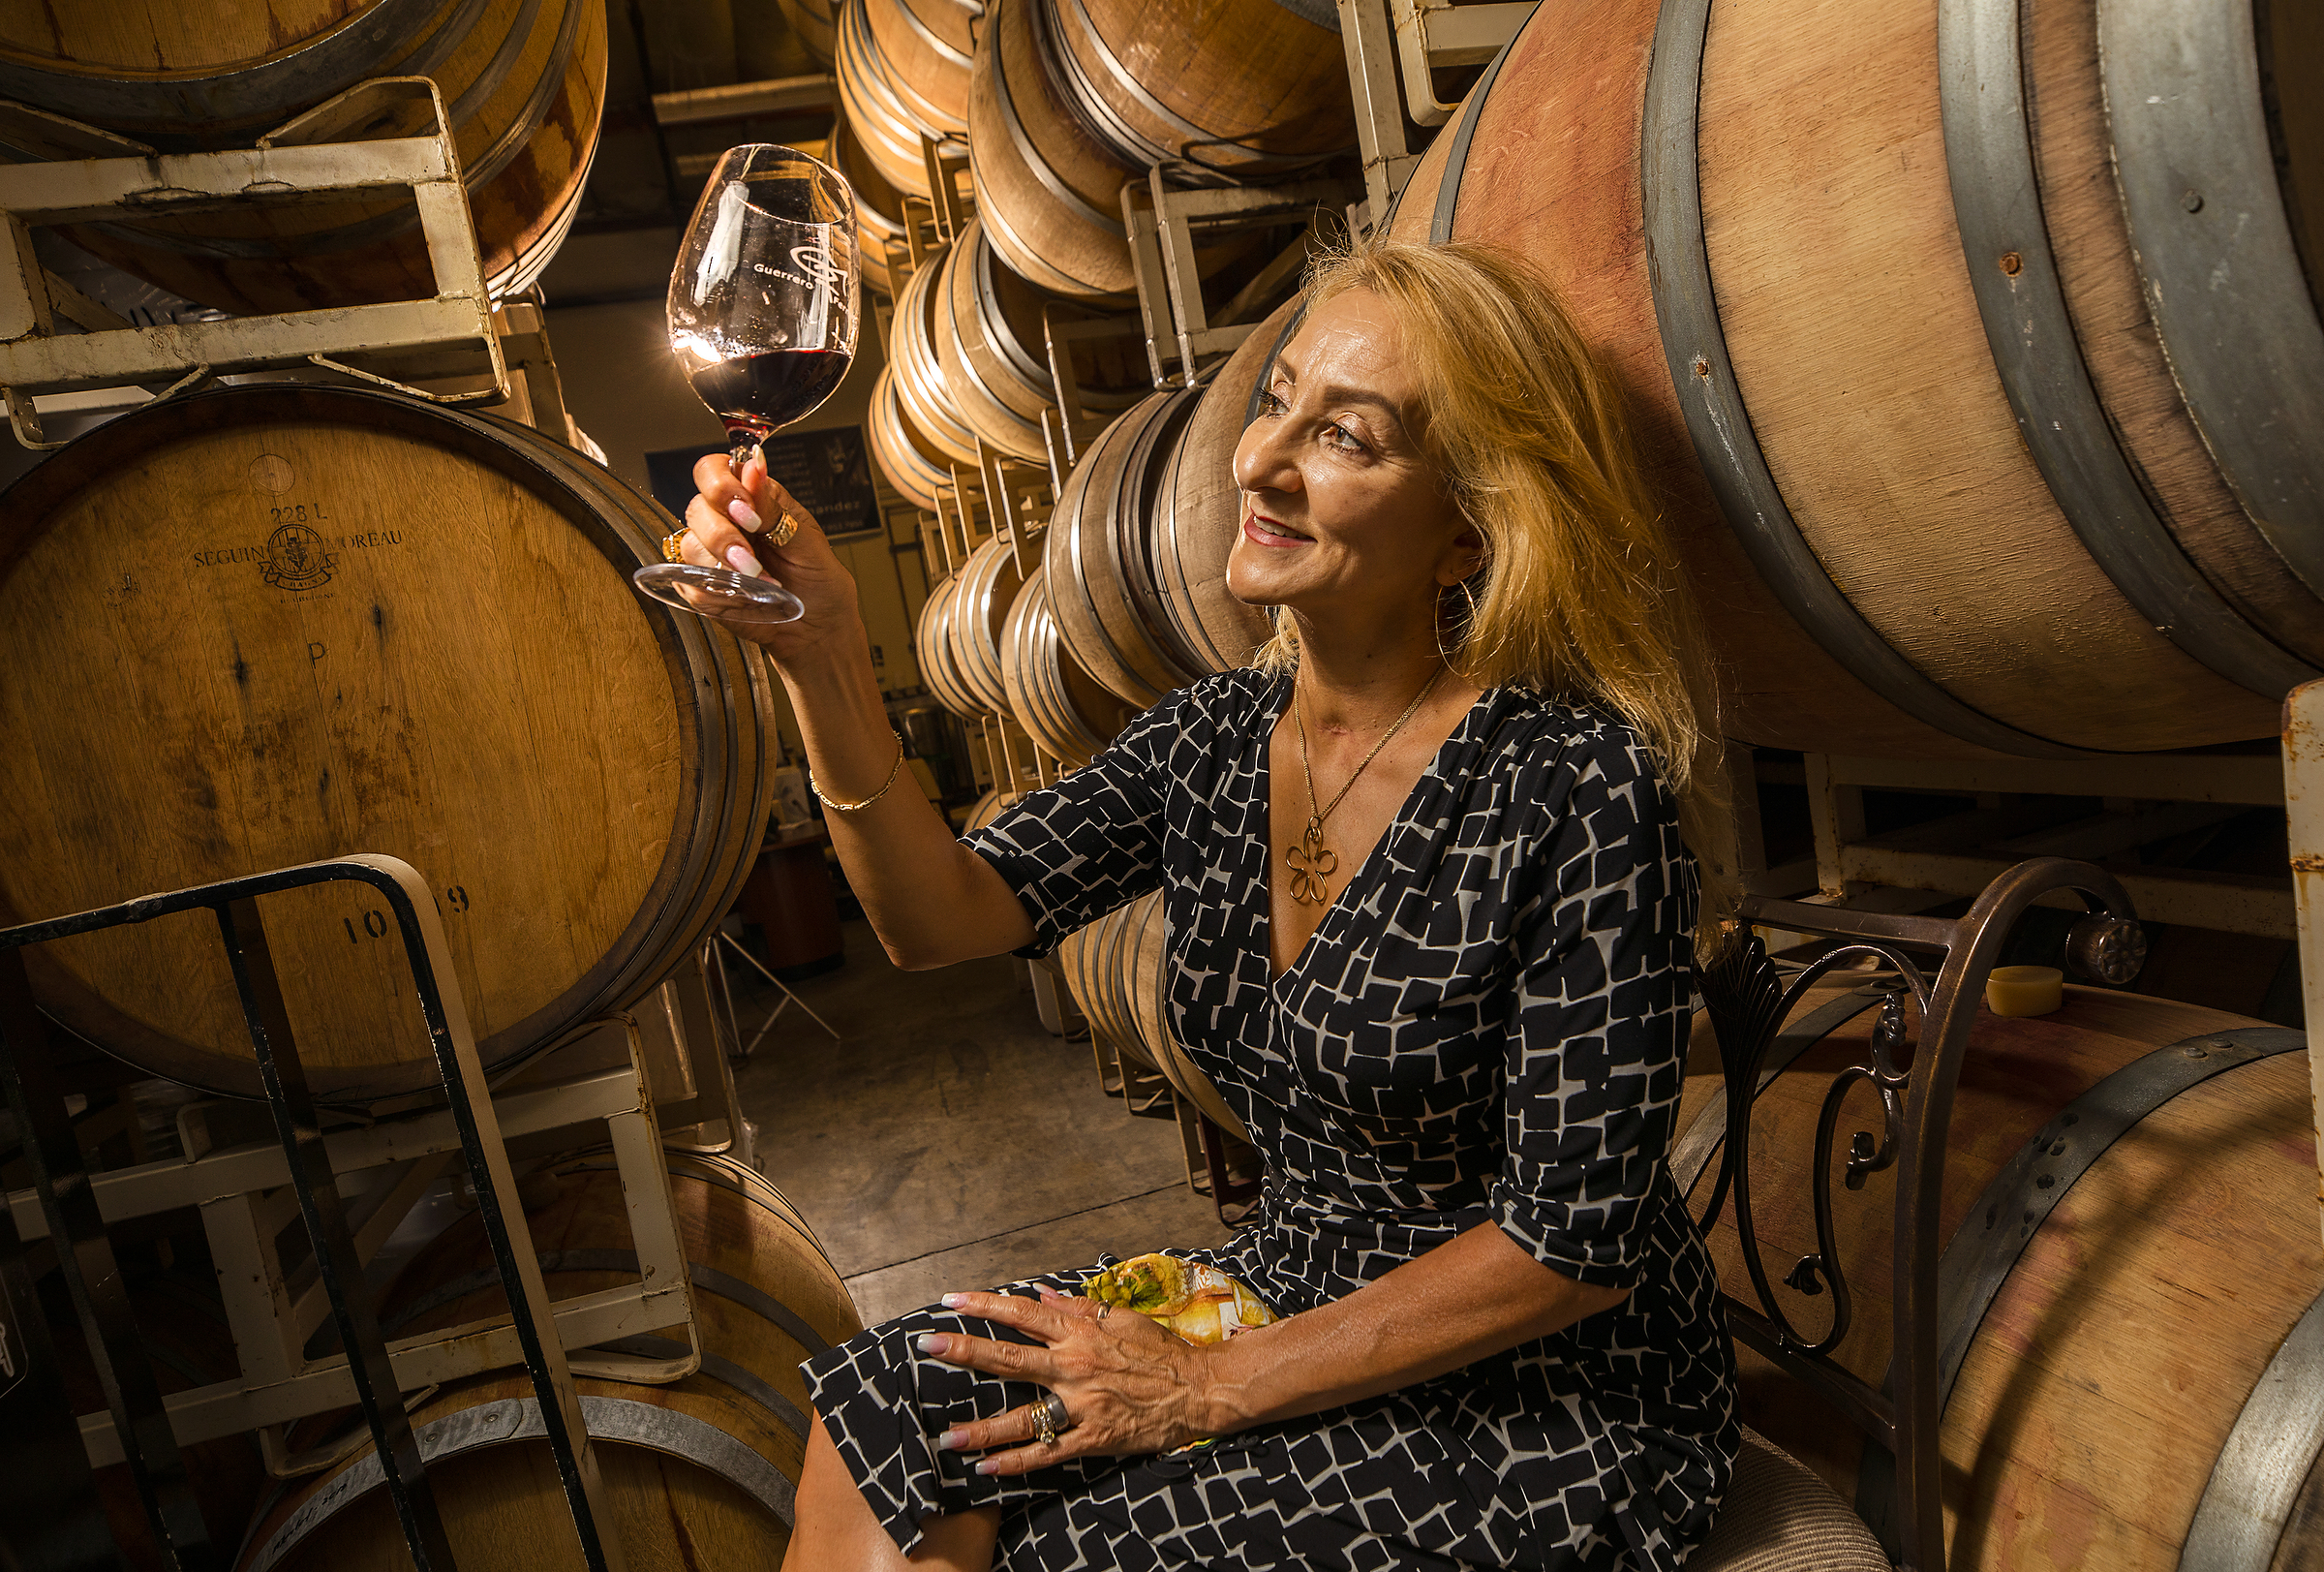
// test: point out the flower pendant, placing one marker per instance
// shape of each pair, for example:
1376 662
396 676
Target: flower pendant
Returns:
1312 864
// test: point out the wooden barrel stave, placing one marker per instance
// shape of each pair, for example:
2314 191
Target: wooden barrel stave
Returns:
922 387
1145 976
1198 517
748 798
874 105
747 1248
1993 641
993 345
975 618
1137 531
434 681
1076 581
2094 1397
878 206
1246 86
912 464
2100 277
1049 194
1114 633
925 46
933 645
1067 711
525 89
815 23
2056 654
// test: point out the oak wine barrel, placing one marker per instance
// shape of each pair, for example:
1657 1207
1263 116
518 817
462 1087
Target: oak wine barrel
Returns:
921 387
993 346
1241 86
814 22
924 45
1119 968
2029 468
1112 968
989 808
1049 192
932 648
1078 956
523 81
878 207
330 621
1067 711
1198 514
1099 551
697 1473
1110 975
2130 1205
912 464
974 617
876 104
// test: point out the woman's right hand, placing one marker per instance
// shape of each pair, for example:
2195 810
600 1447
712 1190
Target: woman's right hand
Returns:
733 514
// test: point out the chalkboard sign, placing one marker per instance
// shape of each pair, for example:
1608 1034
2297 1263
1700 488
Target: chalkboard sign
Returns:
827 470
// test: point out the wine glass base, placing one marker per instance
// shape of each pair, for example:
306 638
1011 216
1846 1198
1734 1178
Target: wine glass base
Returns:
717 592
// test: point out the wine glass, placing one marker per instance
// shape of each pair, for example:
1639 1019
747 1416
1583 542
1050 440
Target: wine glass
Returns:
762 311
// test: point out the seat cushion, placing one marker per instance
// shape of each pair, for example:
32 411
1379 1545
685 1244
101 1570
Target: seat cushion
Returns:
1779 1516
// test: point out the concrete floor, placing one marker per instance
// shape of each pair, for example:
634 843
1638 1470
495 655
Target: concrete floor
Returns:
948 1141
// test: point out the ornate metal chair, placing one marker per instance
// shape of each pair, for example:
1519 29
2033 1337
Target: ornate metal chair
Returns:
1779 1515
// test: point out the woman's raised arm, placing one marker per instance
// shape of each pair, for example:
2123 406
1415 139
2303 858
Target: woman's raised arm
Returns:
931 899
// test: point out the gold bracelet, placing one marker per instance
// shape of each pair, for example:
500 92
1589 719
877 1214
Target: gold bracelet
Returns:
894 770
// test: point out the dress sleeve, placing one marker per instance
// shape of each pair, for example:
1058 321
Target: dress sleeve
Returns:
1595 1042
1076 850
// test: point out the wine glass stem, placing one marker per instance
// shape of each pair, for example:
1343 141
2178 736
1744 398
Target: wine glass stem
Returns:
741 445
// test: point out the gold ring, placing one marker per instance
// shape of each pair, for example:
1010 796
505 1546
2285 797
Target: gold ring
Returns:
1045 1425
669 545
781 532
1104 1310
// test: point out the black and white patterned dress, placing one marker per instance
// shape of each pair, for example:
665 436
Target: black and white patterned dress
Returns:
1487 1026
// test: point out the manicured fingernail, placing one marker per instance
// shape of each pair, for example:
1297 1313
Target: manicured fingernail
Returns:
739 559
954 1301
988 1466
932 1344
742 513
952 1439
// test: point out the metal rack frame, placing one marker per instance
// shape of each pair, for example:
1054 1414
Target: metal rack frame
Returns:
448 333
68 1214
2144 799
1392 42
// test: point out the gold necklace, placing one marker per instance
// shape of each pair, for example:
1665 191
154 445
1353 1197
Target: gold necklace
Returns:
1311 862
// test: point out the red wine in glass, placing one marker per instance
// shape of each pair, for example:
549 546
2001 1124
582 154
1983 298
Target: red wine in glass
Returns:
755 394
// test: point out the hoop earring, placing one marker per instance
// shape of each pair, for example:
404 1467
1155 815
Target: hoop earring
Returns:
1469 623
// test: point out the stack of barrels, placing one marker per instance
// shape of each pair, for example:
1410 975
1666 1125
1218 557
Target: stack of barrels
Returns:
522 82
1128 599
2079 519
1062 104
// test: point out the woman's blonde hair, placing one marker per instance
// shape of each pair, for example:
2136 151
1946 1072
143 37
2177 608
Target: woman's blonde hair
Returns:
1581 596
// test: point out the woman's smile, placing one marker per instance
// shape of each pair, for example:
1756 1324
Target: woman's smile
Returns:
1260 530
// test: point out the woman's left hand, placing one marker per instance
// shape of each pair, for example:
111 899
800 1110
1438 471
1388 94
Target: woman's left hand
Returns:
1130 1387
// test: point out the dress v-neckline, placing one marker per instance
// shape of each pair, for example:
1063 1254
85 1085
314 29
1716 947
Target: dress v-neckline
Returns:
1265 885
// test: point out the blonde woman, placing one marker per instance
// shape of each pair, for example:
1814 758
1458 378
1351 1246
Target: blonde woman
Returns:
1429 911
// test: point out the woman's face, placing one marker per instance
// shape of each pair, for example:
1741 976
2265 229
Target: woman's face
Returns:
1344 517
